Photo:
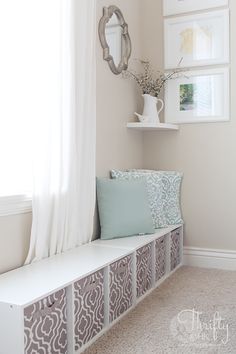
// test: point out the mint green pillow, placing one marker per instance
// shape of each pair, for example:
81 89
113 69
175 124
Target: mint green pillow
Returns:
123 208
154 190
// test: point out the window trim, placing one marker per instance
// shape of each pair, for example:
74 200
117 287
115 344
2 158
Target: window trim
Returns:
16 204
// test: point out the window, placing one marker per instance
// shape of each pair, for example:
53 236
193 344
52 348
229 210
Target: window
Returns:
29 52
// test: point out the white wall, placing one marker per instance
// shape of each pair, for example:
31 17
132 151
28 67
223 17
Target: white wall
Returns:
116 146
14 240
206 153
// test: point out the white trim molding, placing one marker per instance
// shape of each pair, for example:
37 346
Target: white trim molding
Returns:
210 258
13 205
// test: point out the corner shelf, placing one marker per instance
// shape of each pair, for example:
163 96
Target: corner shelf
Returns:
152 126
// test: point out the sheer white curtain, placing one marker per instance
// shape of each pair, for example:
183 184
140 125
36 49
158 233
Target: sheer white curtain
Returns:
65 130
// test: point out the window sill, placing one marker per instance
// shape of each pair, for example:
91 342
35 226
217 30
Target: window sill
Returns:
17 204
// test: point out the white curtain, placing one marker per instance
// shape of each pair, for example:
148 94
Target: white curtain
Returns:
65 129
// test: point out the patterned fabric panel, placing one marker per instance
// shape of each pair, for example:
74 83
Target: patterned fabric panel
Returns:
89 308
175 249
171 188
144 269
171 197
154 190
45 325
120 287
160 261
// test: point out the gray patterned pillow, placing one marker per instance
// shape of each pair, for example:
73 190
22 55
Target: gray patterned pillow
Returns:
155 191
171 182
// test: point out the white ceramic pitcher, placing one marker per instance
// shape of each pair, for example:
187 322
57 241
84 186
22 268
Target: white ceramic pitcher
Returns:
150 111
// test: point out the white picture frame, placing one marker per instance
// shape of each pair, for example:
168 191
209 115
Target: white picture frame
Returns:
174 7
198 96
198 40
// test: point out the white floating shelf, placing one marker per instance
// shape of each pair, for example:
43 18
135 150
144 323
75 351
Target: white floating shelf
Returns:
152 126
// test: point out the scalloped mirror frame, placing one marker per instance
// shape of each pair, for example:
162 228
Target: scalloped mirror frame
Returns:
126 42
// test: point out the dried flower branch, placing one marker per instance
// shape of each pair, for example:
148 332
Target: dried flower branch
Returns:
149 81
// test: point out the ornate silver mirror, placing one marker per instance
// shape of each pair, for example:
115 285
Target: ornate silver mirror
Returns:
115 39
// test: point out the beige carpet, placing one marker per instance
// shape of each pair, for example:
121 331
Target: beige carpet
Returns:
154 326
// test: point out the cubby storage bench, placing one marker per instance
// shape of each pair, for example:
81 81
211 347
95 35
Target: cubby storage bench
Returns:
63 303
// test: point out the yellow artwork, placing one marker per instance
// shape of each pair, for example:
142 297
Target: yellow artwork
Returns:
192 37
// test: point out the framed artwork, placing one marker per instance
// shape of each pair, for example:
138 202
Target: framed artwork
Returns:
200 40
173 7
198 96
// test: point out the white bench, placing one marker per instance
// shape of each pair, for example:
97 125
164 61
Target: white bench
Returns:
64 303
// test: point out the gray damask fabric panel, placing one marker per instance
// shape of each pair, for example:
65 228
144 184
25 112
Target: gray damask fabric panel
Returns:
120 287
144 269
175 248
160 262
89 308
45 325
